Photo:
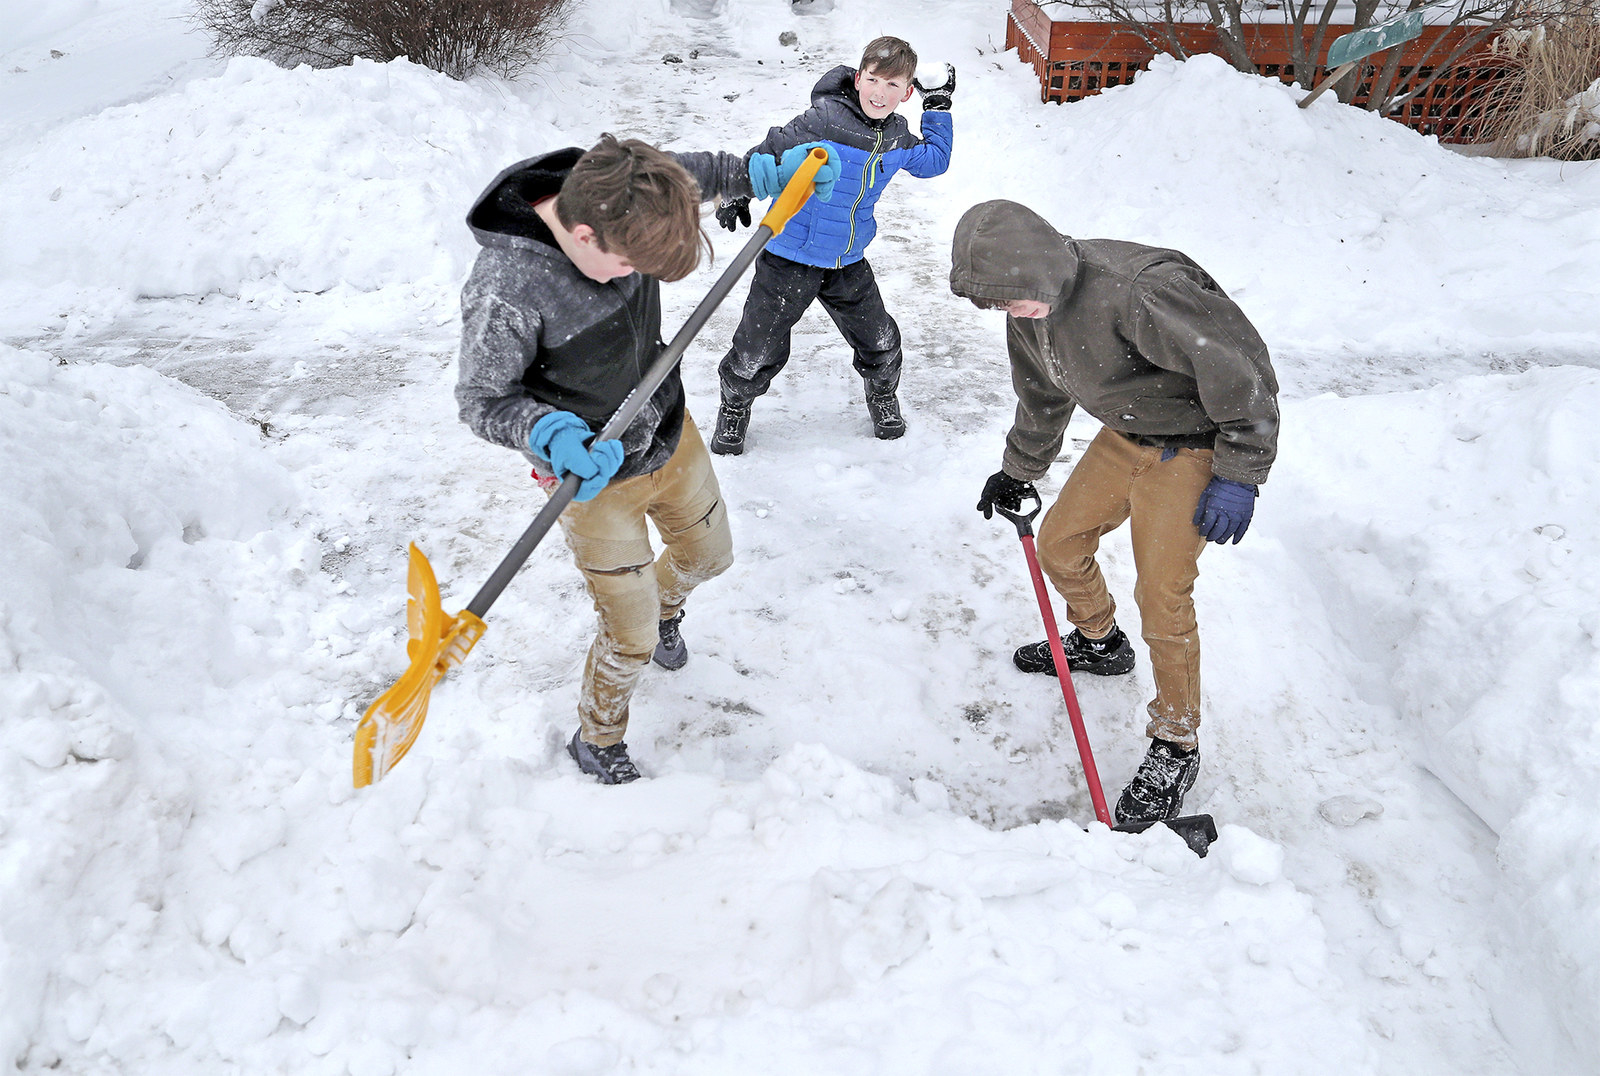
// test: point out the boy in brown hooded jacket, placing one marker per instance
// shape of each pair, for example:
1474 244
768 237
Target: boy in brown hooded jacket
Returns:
1146 342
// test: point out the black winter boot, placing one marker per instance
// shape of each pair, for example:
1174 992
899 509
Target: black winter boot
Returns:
1111 656
887 422
1156 791
672 652
732 422
608 765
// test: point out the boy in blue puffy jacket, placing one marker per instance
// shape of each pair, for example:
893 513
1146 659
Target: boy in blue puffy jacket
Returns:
819 254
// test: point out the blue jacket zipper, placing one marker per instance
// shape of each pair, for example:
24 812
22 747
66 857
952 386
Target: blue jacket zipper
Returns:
872 160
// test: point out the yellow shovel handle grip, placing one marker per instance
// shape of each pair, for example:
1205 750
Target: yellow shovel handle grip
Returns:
794 195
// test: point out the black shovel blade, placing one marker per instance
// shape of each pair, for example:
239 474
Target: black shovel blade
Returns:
1197 830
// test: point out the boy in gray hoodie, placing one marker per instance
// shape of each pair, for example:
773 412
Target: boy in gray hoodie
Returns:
560 319
1145 341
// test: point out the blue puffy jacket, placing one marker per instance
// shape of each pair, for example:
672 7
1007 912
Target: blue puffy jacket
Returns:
835 233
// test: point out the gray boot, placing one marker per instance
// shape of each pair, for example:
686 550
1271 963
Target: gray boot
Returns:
887 422
672 652
732 422
608 765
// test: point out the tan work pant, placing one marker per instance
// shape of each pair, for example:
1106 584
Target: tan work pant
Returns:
633 589
1120 480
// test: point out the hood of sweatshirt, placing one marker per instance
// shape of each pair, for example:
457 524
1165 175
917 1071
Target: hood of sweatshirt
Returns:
503 215
1005 251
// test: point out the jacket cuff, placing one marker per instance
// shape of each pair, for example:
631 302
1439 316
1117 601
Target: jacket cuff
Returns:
1021 467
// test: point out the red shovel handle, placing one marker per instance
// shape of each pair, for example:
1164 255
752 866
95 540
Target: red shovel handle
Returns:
1097 796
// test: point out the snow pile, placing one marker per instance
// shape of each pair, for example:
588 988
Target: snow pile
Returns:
1308 215
167 767
356 176
184 194
123 491
139 519
195 606
1456 529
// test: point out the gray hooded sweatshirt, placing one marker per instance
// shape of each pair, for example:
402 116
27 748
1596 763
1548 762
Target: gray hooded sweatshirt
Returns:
1140 337
538 336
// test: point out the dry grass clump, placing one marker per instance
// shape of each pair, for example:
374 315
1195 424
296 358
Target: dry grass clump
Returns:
1548 102
456 37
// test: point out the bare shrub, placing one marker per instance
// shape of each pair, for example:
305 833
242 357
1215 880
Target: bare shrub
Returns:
455 37
1548 103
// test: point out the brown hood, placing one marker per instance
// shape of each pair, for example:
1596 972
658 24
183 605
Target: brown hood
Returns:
1005 251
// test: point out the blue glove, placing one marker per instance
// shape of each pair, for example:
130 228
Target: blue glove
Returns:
1224 510
769 175
559 437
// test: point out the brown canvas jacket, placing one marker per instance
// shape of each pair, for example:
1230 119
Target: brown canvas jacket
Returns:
1140 337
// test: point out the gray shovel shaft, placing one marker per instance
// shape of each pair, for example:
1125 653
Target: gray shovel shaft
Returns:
519 554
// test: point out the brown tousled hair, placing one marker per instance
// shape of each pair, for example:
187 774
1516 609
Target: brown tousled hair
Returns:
640 202
889 57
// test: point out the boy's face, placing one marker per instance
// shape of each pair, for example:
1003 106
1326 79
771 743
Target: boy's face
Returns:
596 264
1026 308
880 96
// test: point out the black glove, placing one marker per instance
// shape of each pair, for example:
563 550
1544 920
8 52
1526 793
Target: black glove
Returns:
1005 491
937 98
732 214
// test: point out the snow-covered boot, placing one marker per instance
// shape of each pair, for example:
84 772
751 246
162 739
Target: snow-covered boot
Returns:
732 422
887 422
1156 791
609 765
672 652
1111 656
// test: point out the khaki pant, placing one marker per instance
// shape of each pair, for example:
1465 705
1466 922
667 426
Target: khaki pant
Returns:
633 589
1120 480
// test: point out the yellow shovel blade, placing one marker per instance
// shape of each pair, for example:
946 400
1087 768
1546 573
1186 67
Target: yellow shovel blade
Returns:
438 643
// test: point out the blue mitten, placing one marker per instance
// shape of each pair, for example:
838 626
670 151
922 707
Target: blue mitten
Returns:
764 176
827 175
560 438
1224 510
769 175
607 458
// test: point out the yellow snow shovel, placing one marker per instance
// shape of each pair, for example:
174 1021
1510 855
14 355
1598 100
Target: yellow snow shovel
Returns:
438 642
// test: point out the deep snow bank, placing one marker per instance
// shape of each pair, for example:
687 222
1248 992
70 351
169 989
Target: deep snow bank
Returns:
189 192
190 883
1335 228
1458 527
129 504
357 175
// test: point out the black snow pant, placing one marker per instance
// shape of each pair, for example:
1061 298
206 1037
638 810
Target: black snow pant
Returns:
780 292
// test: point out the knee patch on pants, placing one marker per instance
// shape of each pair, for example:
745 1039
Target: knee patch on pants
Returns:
628 606
704 548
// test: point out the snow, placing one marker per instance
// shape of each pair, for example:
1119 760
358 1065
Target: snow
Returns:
228 307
